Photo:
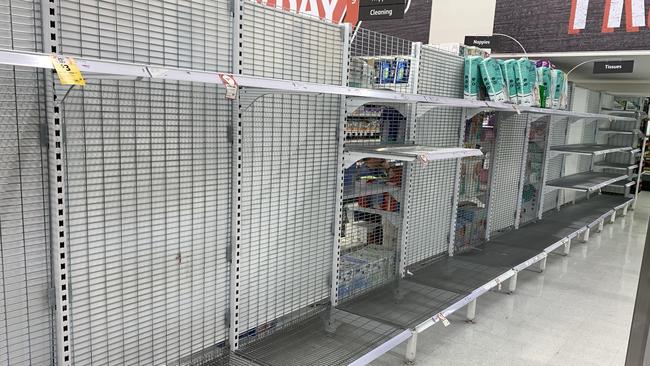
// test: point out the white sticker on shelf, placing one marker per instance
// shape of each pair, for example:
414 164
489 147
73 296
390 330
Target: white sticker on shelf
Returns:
443 319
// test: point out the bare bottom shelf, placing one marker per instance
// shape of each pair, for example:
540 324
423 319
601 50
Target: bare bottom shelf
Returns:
453 274
329 338
497 255
403 303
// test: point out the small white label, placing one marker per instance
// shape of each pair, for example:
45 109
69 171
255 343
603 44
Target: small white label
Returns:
231 85
444 320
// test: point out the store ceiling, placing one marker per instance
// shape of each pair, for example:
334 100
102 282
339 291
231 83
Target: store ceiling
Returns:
636 83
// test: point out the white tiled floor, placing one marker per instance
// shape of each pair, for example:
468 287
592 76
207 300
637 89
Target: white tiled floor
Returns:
578 312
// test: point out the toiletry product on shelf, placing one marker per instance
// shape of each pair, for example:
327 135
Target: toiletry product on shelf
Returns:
559 92
508 72
545 86
402 70
493 79
471 77
523 82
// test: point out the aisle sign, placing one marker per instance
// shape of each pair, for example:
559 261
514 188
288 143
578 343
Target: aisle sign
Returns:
479 41
614 67
381 9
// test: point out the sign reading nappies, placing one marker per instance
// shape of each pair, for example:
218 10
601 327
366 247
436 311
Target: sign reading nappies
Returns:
479 41
614 67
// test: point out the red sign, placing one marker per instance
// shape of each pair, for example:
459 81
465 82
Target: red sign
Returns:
635 16
335 11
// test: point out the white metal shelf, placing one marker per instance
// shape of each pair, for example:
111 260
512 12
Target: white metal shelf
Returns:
361 189
586 181
608 165
588 149
613 131
393 217
406 153
94 69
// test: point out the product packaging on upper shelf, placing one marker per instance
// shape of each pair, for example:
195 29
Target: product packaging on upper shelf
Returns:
559 89
493 79
523 82
384 71
508 72
471 77
545 86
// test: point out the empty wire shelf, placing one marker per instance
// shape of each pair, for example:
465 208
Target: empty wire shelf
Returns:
364 189
406 153
585 212
609 165
613 131
403 303
533 239
586 181
589 149
332 337
452 274
497 255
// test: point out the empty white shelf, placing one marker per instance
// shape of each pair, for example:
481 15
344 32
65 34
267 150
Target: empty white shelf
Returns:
406 153
586 182
588 149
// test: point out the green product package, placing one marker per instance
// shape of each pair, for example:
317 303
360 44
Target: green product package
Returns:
493 80
508 71
545 86
535 82
559 90
523 82
471 77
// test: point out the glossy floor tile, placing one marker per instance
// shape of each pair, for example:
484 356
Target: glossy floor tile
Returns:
577 312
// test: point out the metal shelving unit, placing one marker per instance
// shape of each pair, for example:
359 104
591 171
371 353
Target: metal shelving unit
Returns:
589 149
586 181
243 190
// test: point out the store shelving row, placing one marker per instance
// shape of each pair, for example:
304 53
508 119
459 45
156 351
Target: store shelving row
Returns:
586 181
101 69
392 313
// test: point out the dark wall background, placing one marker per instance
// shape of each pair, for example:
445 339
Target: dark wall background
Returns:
414 26
542 26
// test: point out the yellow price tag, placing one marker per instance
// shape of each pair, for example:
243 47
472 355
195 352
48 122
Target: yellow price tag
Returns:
67 70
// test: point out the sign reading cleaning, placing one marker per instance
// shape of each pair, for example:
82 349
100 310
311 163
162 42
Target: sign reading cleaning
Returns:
381 9
614 67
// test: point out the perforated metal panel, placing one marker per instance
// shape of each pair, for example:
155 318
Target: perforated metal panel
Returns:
554 162
148 186
532 194
26 320
433 186
506 173
289 151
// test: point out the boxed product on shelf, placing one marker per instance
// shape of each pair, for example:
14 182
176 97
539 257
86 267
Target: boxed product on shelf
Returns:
525 80
365 269
508 72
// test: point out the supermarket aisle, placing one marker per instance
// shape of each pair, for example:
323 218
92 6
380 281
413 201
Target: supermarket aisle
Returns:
576 313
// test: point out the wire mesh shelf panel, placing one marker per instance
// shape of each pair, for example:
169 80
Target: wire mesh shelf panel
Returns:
27 320
148 214
330 337
148 167
506 175
282 45
432 185
532 190
174 33
402 303
474 188
289 155
554 163
381 61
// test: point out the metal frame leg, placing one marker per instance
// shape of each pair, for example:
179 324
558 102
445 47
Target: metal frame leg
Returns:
471 311
585 235
512 283
542 265
601 224
613 217
625 210
567 248
411 348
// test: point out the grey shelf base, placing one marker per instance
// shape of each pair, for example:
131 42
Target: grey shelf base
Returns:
589 149
402 303
498 255
380 318
328 338
608 165
586 181
453 274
